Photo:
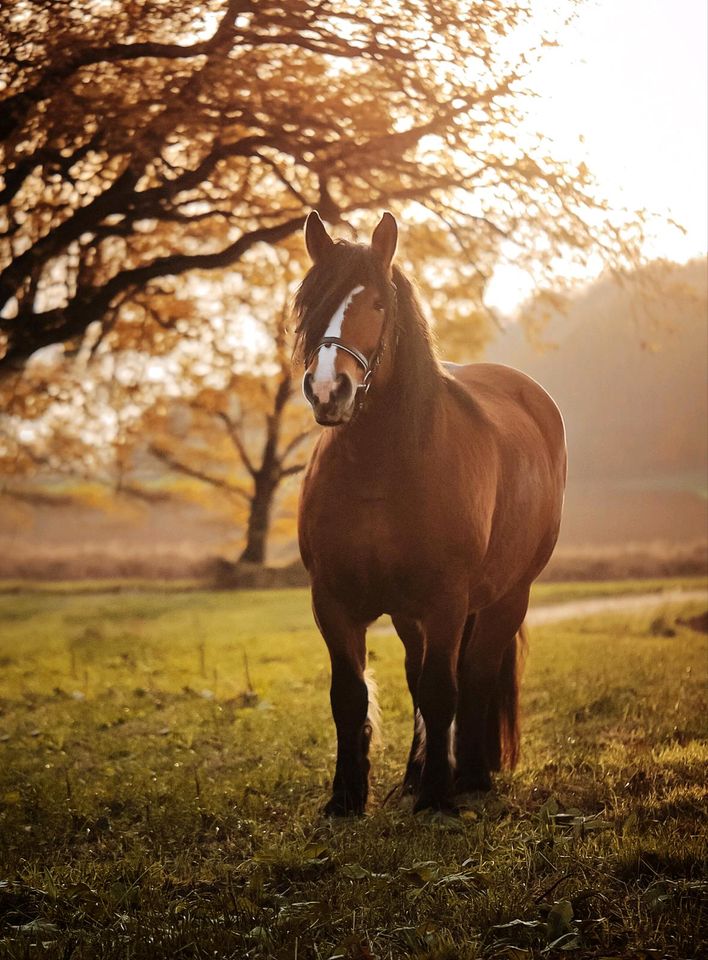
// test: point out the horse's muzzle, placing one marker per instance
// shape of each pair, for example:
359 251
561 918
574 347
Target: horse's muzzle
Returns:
332 401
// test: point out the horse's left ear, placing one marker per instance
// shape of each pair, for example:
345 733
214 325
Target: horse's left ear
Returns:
384 239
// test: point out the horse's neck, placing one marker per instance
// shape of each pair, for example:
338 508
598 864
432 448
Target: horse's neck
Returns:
391 430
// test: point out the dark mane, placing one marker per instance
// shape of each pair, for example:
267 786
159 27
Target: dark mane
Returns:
417 371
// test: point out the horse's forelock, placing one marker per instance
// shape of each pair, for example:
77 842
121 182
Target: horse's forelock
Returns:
325 286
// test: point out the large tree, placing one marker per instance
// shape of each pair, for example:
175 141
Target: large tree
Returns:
242 436
145 140
210 402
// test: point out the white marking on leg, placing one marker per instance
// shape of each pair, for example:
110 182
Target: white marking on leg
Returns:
325 371
420 736
373 715
451 745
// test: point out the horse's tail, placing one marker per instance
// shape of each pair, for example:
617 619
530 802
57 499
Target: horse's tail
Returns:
504 730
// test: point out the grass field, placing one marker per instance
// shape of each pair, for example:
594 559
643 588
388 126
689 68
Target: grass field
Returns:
164 758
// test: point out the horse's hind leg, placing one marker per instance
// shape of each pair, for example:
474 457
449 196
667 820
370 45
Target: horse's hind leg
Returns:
349 697
487 722
411 634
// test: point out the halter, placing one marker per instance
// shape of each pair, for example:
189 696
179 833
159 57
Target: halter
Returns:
369 366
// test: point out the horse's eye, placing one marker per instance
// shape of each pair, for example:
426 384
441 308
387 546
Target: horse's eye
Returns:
378 305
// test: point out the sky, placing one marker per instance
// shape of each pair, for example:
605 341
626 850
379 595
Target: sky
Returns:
630 77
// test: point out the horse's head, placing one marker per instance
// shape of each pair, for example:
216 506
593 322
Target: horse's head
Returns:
344 305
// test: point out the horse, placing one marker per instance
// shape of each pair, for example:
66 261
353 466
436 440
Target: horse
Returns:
434 494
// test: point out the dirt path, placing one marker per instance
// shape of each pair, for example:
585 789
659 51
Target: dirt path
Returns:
632 603
572 609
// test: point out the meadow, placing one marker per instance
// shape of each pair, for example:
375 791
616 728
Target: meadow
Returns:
164 757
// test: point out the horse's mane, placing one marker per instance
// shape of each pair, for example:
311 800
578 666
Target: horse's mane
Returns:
417 371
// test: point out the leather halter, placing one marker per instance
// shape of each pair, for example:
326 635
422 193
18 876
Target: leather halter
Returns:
369 366
341 345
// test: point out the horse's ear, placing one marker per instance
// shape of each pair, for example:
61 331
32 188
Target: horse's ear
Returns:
317 240
384 239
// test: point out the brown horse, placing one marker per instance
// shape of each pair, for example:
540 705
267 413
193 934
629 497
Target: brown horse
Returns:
435 496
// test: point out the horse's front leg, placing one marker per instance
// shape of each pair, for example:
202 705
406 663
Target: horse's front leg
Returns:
349 697
413 639
437 700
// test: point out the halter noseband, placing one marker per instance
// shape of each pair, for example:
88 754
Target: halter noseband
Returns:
369 366
341 345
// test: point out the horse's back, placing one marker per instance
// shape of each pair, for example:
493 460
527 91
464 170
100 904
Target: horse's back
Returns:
500 392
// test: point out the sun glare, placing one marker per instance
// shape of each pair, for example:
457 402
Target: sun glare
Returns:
625 92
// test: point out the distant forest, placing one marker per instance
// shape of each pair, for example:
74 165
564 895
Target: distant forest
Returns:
628 365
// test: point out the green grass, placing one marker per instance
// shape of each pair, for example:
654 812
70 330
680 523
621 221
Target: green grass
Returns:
555 592
164 759
104 585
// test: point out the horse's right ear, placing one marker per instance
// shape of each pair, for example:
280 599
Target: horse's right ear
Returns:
317 240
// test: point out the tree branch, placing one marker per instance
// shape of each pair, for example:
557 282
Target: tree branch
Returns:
291 471
180 467
294 443
64 323
16 105
237 441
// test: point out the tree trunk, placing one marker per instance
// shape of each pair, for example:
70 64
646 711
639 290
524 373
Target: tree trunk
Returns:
259 520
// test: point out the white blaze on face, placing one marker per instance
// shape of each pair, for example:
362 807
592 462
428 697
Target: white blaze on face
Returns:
325 372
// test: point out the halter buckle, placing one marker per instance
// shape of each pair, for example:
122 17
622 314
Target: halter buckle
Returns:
365 384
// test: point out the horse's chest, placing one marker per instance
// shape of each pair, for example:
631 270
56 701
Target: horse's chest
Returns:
376 546
367 529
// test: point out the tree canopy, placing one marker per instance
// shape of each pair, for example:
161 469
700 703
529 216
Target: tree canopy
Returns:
144 140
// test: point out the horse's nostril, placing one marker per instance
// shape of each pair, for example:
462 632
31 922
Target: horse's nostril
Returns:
328 395
343 387
307 388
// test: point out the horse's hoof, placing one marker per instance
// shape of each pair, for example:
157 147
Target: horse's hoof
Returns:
472 803
435 805
480 783
339 806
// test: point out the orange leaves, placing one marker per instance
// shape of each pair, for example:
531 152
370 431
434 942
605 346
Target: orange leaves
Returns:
165 140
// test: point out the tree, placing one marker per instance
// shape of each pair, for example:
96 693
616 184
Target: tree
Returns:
211 404
146 140
243 436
